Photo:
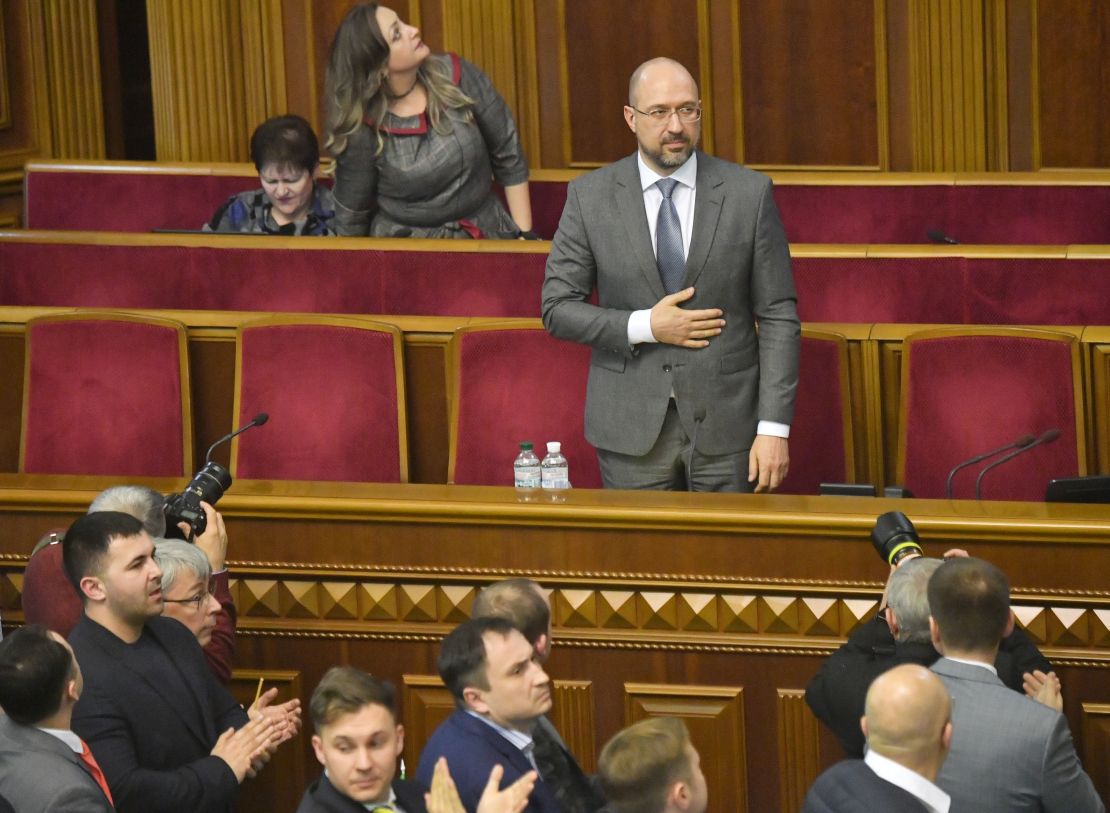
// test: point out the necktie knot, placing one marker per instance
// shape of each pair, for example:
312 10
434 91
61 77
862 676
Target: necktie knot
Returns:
666 187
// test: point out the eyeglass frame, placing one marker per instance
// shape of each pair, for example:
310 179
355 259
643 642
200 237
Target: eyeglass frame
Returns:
198 600
671 111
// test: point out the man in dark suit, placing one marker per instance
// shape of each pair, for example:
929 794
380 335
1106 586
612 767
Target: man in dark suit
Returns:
43 764
1010 754
687 255
900 634
652 767
908 729
500 691
358 741
167 735
524 603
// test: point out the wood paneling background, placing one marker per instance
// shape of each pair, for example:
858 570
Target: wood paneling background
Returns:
898 85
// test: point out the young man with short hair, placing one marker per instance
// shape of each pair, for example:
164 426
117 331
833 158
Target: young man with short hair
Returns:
652 767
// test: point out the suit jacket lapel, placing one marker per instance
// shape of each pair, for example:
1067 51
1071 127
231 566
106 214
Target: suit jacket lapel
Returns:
630 204
708 202
192 682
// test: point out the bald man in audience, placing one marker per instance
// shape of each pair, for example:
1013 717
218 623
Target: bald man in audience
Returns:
652 767
908 728
1009 753
525 605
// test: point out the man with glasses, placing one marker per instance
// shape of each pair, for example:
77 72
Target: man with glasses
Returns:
687 254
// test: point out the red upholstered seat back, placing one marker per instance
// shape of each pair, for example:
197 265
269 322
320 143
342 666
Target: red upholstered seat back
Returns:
106 394
48 596
512 384
966 394
334 392
820 444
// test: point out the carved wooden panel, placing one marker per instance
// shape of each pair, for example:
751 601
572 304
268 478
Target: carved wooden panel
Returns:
813 83
5 97
572 712
284 777
72 53
799 750
1096 744
26 132
714 716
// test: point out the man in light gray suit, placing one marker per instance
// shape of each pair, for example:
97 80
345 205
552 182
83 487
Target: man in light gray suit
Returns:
687 254
41 764
1009 754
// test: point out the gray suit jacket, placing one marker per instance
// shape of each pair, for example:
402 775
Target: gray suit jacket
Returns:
1009 754
738 261
39 773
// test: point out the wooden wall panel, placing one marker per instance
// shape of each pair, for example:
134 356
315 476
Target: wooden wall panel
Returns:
1095 744
73 58
284 777
25 129
799 749
714 716
813 78
1073 83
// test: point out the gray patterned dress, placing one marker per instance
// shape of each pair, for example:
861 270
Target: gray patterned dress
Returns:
423 184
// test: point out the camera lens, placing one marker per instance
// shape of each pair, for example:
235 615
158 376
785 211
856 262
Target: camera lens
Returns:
895 538
210 483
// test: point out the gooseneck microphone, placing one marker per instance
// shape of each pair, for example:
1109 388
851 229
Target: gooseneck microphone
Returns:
1047 437
257 420
1020 443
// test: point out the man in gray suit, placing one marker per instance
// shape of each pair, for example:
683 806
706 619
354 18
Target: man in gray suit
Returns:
44 766
1009 753
687 254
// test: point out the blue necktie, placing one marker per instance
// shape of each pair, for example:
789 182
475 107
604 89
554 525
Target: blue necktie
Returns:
668 240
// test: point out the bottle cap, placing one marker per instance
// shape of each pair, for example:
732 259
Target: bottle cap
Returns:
554 446
525 445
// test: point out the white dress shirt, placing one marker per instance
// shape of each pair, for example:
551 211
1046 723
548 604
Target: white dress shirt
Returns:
935 799
683 197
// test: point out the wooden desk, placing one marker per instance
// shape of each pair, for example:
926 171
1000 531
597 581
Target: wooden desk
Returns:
715 607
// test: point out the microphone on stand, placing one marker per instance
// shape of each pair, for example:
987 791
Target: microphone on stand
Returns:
1047 437
1020 443
257 420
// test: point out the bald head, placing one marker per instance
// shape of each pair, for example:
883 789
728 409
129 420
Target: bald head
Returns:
661 71
906 717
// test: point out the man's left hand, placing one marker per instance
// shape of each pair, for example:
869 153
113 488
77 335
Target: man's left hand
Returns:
768 462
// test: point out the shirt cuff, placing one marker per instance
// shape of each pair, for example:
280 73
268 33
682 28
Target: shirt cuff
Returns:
777 430
639 327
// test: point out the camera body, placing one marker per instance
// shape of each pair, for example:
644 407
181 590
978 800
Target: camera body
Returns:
895 538
208 485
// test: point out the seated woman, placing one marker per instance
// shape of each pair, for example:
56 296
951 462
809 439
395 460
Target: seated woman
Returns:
418 138
285 153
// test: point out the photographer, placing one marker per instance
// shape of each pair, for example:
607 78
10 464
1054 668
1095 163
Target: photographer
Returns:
899 634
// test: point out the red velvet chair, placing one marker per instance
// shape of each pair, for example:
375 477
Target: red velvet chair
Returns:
334 389
48 596
967 390
510 382
106 393
821 441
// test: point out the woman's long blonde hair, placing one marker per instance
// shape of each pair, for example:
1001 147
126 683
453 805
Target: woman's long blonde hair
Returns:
356 82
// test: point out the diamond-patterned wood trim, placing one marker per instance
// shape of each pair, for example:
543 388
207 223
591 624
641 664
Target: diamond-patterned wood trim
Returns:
1096 745
799 749
714 716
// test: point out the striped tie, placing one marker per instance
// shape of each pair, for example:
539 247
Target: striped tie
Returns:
668 240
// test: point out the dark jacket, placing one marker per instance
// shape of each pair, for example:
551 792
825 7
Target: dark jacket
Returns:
852 787
322 797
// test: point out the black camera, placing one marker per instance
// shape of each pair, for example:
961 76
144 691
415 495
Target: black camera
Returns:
895 538
208 484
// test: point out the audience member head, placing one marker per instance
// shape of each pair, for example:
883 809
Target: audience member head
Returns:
144 504
651 767
969 600
376 59
664 112
490 668
523 603
285 153
907 596
357 737
40 680
186 587
907 718
110 560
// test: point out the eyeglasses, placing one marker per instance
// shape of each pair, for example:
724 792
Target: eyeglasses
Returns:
660 115
197 601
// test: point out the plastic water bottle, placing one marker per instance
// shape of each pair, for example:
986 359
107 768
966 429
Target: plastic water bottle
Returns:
526 467
554 470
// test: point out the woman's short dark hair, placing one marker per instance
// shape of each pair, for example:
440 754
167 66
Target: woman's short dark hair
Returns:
285 141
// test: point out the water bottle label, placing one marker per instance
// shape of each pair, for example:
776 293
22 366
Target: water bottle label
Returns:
556 477
527 476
